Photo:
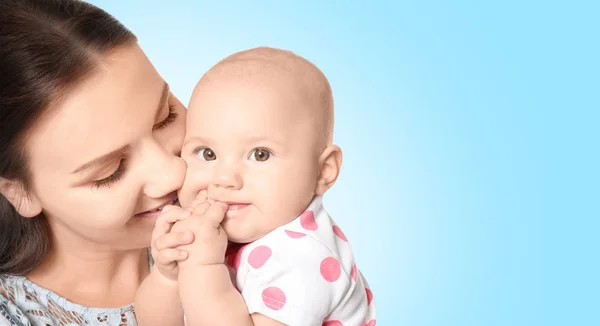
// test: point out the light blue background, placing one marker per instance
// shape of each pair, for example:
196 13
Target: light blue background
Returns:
469 181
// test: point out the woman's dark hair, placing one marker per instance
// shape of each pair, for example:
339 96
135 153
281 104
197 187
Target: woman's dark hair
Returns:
46 47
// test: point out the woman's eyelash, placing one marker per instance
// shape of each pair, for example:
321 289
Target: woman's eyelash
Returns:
116 176
170 118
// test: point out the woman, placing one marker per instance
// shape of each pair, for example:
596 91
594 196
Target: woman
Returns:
89 144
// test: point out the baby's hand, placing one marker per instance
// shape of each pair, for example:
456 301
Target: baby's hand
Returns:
210 240
165 251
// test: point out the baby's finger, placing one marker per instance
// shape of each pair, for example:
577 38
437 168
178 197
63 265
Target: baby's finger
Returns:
201 208
200 198
173 240
216 212
168 208
195 203
202 195
170 214
169 256
167 218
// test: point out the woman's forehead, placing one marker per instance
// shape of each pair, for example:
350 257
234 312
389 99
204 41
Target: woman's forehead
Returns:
111 108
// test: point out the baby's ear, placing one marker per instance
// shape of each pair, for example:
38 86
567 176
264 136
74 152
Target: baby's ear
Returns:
330 163
26 205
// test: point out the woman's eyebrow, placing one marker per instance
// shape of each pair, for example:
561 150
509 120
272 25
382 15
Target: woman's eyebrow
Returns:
108 157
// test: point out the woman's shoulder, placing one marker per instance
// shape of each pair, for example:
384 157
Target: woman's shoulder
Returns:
24 303
10 313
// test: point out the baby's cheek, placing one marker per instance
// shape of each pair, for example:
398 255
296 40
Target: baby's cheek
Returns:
292 197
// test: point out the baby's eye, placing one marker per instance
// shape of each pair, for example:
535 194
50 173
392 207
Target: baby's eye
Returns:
207 154
260 154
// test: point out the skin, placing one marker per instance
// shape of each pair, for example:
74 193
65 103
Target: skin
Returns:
256 119
99 256
259 134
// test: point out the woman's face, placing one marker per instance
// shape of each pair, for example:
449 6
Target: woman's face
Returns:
108 152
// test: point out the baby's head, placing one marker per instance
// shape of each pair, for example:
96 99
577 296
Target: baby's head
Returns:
259 136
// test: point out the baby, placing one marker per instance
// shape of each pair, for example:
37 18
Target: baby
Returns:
260 155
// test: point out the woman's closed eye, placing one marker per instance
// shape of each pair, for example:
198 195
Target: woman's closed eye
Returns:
171 117
120 171
114 177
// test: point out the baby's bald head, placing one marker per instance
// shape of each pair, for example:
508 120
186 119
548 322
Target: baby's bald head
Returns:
259 130
284 72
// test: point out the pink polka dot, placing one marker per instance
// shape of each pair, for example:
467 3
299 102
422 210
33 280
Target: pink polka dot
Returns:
369 296
333 323
295 235
259 256
331 269
354 272
339 233
273 298
307 220
371 323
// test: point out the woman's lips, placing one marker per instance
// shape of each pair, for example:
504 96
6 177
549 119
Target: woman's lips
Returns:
155 212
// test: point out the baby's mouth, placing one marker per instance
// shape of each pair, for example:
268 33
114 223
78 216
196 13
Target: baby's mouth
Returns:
236 206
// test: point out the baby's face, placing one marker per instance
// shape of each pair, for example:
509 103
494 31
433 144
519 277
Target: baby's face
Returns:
252 147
